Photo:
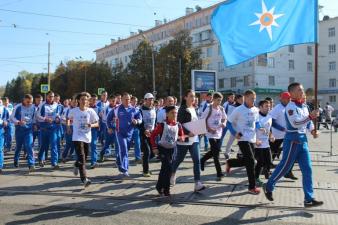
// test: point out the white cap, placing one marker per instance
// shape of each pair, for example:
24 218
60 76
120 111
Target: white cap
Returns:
148 95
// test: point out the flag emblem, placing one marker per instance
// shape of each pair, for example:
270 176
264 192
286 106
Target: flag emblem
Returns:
267 19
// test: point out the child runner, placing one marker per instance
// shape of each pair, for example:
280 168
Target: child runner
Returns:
215 120
262 148
169 132
83 119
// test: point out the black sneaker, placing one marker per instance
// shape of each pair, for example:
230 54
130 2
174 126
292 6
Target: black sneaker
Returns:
56 167
202 165
101 159
16 164
41 164
93 166
291 176
31 168
268 194
313 203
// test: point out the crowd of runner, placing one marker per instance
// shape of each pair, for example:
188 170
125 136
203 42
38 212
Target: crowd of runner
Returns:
73 129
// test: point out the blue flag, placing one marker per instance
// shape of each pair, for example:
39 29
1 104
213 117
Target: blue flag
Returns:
247 28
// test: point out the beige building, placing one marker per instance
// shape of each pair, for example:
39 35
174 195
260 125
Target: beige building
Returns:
268 74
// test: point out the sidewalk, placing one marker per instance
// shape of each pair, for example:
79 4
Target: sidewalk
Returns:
57 197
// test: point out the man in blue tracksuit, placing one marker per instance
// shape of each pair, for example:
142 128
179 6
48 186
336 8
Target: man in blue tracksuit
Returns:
22 117
95 131
125 118
109 139
4 116
36 125
101 105
136 134
295 145
9 129
49 118
59 126
69 148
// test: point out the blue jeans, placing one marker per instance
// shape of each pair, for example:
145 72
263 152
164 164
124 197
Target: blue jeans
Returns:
49 138
9 133
24 138
2 140
293 151
137 144
93 151
180 154
206 142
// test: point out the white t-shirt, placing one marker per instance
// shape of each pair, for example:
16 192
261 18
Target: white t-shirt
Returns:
278 113
81 119
194 138
215 121
243 120
263 135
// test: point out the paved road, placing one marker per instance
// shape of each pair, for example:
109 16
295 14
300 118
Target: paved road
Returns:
57 197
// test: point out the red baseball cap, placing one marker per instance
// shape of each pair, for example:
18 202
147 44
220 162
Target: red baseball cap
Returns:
285 95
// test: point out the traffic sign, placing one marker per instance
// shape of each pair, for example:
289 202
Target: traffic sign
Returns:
100 91
44 88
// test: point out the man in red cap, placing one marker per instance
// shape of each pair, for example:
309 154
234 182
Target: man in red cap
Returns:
279 127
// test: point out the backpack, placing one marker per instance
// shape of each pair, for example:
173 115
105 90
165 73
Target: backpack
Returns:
209 114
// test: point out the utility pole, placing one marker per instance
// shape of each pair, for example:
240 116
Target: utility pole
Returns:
180 77
153 63
85 80
49 65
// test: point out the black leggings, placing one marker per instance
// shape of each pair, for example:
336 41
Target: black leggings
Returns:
247 160
163 182
214 153
263 157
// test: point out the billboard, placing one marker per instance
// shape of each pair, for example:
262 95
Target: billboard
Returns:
203 80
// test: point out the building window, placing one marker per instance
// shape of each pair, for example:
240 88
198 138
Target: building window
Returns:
332 98
262 60
126 59
220 66
332 32
271 62
272 80
219 49
332 83
209 66
233 82
247 80
332 66
309 67
332 49
291 80
221 83
291 48
209 52
291 64
309 50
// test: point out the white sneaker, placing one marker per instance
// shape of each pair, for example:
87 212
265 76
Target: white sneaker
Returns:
126 174
87 182
75 171
173 179
199 186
